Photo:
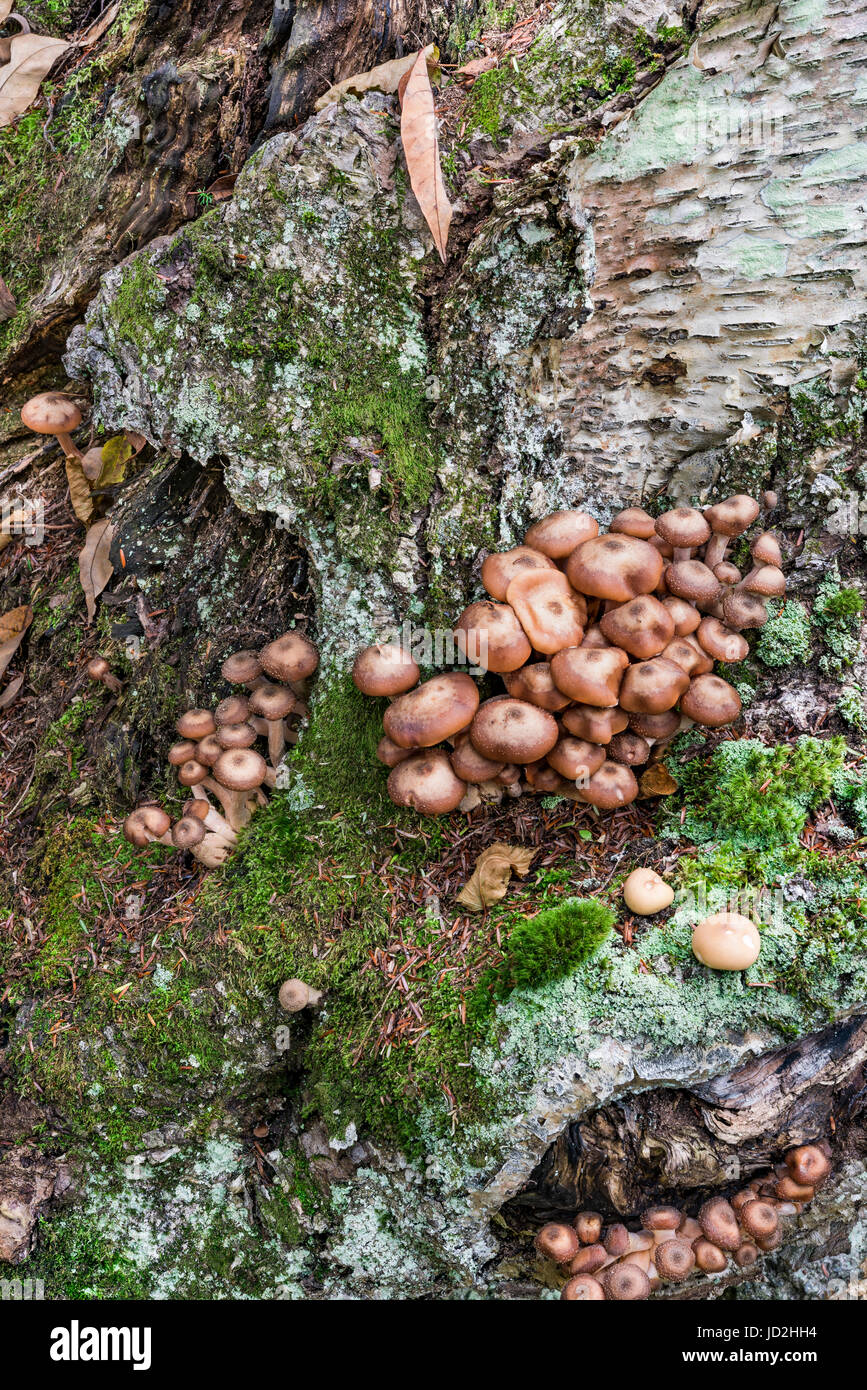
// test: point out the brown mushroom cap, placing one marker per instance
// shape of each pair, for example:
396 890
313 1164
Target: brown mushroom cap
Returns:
592 675
513 731
709 1257
743 610
208 750
489 635
594 724
759 1218
558 535
236 735
719 1222
645 893
616 1239
633 521
192 772
147 823
683 527
241 667
629 748
290 657
543 778
426 782
691 579
188 832
625 1283
689 656
501 567
765 550
182 752
574 758
674 1260
721 642
733 516
726 941
470 765
686 618
642 627
588 1226
611 786
661 1218
767 581
196 724
389 753
746 1254
656 726
790 1191
589 1259
295 995
652 687
808 1165
615 567
233 710
557 1242
272 701
582 1288
240 769
438 708
770 1242
711 701
536 685
595 637
548 608
51 412
384 669
727 573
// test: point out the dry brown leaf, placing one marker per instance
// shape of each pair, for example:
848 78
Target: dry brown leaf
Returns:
5 9
95 31
11 692
656 781
491 875
31 58
384 78
79 489
94 566
8 307
477 66
418 131
13 626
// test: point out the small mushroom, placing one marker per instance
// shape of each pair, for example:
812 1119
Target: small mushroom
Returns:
720 1224
652 687
146 824
808 1165
588 1227
575 758
629 748
469 765
633 521
689 656
98 669
187 833
500 568
684 614
616 1239
196 724
235 709
674 1260
236 735
513 731
759 1219
611 786
295 995
790 1191
625 1283
711 701
55 413
557 1242
727 520
742 610
490 636
389 753
535 684
240 771
685 529
582 1288
384 669
595 724
291 657
692 580
558 535
242 668
426 782
645 893
272 703
643 627
549 610
589 1260
656 727
726 941
437 709
709 1257
590 676
615 567
746 1254
662 1218
721 642
182 752
198 808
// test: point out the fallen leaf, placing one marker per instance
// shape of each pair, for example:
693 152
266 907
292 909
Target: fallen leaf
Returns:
5 9
94 566
79 488
477 66
31 58
95 31
10 693
8 307
491 874
384 78
13 626
418 130
656 781
116 454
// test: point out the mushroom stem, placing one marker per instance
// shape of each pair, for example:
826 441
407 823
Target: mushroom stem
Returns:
276 741
716 549
236 808
223 795
69 447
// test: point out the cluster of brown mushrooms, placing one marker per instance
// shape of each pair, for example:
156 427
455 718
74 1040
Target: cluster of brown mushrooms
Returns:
606 646
611 1262
216 756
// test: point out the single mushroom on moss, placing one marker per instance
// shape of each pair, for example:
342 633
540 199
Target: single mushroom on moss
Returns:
98 669
645 893
726 941
53 412
295 995
384 669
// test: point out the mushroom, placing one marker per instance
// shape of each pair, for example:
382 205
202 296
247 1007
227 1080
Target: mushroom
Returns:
187 833
470 765
295 995
582 1288
616 1239
98 669
426 782
721 642
765 550
500 568
711 701
196 724
633 521
536 685
720 1224
589 1260
726 573
689 656
726 941
437 709
652 687
790 1191
575 758
766 581
615 567
743 610
594 724
183 752
291 657
236 735
625 1283
272 703
242 668
674 1260
543 778
389 753
198 808
560 533
146 824
662 1218
590 676
642 627
490 636
658 727
235 709
595 637
557 1242
629 748
692 580
613 785
384 669
645 893
771 1241
808 1165
588 1227
513 731
55 413
728 519
709 1257
685 529
686 618
239 771
746 1254
550 612
759 1219
208 750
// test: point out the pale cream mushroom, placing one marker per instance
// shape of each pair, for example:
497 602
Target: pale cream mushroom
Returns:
295 995
726 941
645 892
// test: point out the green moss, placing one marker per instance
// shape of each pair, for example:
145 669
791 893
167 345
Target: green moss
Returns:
837 613
77 1260
555 941
785 638
851 708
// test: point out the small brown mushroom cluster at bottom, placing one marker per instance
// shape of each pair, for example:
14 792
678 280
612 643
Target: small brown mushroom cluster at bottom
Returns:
216 756
614 1263
605 645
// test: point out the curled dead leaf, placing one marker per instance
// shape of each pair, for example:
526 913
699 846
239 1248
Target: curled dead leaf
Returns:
656 781
94 566
418 130
79 488
13 626
491 875
384 78
31 58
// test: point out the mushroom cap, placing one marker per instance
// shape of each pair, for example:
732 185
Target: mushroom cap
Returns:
438 708
683 527
241 667
758 1218
575 757
272 701
51 412
642 627
236 736
290 657
691 579
187 833
182 752
196 723
727 573
726 941
645 893
208 750
595 637
389 753
557 1242
470 765
770 1242
558 535
146 823
746 1254
192 772
97 667
625 1283
765 549
660 1218
674 1260
543 778
588 1226
629 748
384 669
582 1288
790 1191
719 1222
711 701
612 785
240 769
742 609
294 996
426 782
808 1165
593 723
198 808
615 567
513 731
616 1239
689 656
686 618
501 567
590 675
548 609
633 521
709 1257
767 582
656 726
589 1259
535 684
235 709
721 642
490 635
733 516
652 687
